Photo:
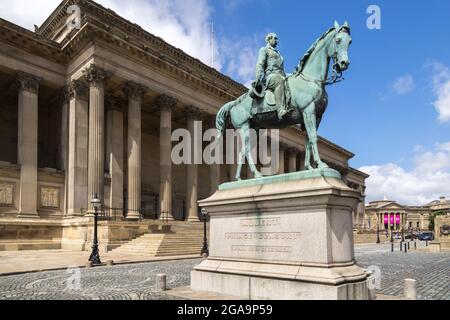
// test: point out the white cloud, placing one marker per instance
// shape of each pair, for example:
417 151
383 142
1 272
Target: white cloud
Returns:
403 85
186 24
427 181
27 13
441 88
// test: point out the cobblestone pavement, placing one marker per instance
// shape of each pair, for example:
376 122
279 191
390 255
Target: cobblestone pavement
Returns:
136 281
431 270
120 282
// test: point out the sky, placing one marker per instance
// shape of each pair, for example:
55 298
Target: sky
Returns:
393 109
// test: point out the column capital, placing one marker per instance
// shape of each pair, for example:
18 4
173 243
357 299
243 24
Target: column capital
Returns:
283 145
293 150
28 82
193 113
78 89
62 95
114 103
95 75
165 102
134 90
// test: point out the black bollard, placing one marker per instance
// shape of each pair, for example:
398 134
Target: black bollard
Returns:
406 248
408 245
392 247
426 243
401 248
415 245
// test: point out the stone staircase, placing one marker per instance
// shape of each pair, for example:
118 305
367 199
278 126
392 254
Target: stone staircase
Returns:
181 240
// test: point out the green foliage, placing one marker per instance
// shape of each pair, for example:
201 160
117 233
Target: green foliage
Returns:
433 216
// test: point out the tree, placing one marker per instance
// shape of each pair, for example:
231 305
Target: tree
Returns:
433 216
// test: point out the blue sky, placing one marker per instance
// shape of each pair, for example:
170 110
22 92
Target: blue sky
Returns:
364 114
393 110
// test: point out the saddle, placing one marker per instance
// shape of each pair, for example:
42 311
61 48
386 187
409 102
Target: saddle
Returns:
264 99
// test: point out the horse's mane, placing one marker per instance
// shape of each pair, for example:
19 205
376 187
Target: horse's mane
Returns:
308 53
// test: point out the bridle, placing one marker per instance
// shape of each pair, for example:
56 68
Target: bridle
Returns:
336 73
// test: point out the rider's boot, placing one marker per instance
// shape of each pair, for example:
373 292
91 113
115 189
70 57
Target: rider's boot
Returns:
281 113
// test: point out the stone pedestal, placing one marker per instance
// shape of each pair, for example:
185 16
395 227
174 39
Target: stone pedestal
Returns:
282 237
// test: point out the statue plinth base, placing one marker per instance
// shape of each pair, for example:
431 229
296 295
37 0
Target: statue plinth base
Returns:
282 237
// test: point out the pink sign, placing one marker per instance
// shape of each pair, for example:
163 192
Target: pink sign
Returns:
386 218
397 219
392 219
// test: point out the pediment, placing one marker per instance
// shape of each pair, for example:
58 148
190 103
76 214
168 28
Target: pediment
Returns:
390 206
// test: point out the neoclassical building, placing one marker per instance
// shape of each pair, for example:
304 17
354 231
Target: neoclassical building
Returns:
389 215
89 110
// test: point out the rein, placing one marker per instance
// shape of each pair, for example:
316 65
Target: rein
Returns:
336 76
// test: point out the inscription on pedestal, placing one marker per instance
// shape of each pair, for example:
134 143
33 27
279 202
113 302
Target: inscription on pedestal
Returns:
260 222
245 248
263 235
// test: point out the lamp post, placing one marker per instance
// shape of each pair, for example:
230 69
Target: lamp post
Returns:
378 232
95 257
205 251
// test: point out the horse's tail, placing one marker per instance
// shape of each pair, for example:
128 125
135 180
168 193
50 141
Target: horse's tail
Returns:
223 114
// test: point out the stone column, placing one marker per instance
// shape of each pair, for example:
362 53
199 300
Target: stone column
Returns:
233 170
282 150
135 93
27 140
214 169
389 221
302 161
192 114
292 159
114 153
78 149
166 105
64 142
96 77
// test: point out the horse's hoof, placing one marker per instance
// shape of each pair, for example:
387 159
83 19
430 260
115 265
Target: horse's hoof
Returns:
322 166
258 175
309 168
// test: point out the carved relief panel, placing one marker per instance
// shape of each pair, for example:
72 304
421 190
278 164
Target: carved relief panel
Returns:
50 197
6 193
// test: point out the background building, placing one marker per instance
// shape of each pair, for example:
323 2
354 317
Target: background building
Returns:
90 110
392 216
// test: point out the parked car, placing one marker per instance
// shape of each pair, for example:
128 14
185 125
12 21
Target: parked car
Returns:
410 236
426 236
397 235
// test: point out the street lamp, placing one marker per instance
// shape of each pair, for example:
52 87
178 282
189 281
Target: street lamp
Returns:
205 251
378 232
95 257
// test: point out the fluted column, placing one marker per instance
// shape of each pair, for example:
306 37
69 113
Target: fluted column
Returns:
192 114
64 141
135 93
292 159
282 152
28 143
77 167
166 106
214 168
114 152
96 78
